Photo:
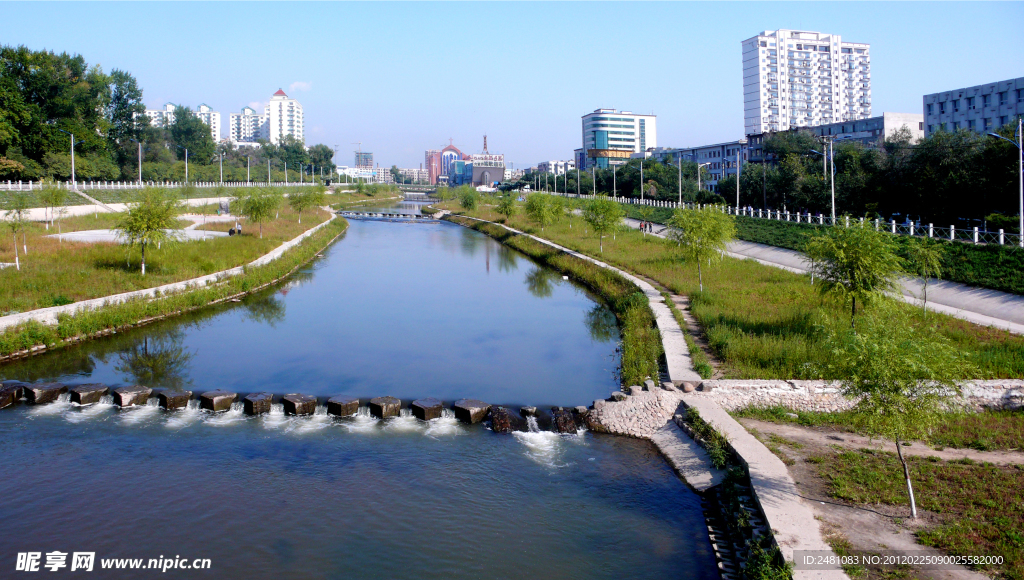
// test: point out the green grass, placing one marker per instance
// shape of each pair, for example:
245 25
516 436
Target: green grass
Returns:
71 328
760 322
60 271
982 505
985 431
641 342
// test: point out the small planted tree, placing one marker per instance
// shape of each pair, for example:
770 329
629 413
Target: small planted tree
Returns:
702 235
924 258
855 262
570 206
17 217
539 210
299 201
52 196
903 376
468 198
507 206
259 205
150 219
603 215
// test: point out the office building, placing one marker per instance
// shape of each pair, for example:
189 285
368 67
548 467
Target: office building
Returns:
284 117
872 131
610 137
982 108
795 78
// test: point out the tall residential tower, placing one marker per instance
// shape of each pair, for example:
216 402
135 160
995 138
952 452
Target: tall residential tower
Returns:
283 117
794 78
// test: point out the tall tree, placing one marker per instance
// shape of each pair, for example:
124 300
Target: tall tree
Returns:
702 235
148 220
189 132
125 113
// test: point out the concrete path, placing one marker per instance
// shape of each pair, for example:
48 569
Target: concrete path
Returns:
40 214
978 305
111 236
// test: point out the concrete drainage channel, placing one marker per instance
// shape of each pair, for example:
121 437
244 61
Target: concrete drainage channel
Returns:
469 411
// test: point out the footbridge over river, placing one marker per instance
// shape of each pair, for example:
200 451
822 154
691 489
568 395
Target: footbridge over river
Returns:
387 216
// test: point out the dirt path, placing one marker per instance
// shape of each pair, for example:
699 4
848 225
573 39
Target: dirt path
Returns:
871 528
815 437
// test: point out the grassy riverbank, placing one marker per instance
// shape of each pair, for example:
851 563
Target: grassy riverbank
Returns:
641 343
84 324
760 322
55 272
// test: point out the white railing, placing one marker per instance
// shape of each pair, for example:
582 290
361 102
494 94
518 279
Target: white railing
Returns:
951 233
111 185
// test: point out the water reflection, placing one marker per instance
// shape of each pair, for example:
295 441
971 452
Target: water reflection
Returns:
601 324
158 360
541 282
264 309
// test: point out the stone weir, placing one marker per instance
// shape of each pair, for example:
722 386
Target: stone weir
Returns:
502 419
388 217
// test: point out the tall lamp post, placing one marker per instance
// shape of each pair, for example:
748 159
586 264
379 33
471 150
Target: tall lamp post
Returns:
739 157
699 165
74 182
222 167
828 157
641 180
185 149
140 158
247 168
1020 173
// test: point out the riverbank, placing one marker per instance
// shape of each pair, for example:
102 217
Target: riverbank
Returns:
26 334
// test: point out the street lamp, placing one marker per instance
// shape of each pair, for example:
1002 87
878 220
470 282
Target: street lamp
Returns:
739 155
832 181
1020 172
642 180
186 160
222 167
247 167
699 165
74 182
140 158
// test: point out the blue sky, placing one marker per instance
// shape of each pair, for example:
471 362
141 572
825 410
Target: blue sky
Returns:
404 77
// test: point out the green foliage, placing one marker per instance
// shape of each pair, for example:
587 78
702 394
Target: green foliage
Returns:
603 215
702 235
189 132
468 197
259 205
925 260
147 220
507 206
540 208
854 262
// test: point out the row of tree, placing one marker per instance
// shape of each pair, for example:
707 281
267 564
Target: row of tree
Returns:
945 178
47 97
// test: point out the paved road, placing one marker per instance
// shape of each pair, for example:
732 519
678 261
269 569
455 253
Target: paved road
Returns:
96 236
977 305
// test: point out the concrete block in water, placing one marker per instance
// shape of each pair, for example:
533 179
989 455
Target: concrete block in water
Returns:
172 400
470 410
217 400
296 404
528 411
42 393
501 420
426 409
134 395
87 394
384 407
257 403
16 387
342 406
562 420
7 396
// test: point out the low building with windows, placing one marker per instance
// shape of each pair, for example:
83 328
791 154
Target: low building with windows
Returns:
981 108
872 131
556 167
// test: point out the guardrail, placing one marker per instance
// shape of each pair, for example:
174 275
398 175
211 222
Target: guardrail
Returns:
909 228
109 185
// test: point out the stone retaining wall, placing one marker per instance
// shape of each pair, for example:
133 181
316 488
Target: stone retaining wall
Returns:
824 396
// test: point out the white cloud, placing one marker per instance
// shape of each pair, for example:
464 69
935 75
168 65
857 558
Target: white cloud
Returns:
300 86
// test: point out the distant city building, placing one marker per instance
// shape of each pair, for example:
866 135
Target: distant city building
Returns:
366 174
513 174
283 117
556 167
610 137
417 176
484 169
165 118
364 159
803 79
982 108
247 126
873 130
439 163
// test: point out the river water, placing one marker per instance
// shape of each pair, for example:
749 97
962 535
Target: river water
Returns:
408 310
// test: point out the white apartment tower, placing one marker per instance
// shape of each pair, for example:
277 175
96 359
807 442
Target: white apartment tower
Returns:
211 118
165 118
283 117
247 126
795 78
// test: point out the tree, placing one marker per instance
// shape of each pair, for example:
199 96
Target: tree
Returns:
258 205
902 375
299 201
702 235
538 208
150 219
507 206
924 258
17 216
52 196
396 174
603 215
854 262
124 111
468 197
190 132
322 156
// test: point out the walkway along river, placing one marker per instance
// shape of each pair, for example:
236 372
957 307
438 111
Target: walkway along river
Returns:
407 310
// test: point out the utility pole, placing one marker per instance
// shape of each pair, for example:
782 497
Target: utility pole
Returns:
222 167
614 194
680 159
140 162
247 169
641 180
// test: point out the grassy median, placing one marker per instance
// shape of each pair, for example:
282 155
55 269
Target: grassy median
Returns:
760 322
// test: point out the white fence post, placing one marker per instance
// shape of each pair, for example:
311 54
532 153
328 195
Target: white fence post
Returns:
951 230
1001 236
893 226
975 234
931 231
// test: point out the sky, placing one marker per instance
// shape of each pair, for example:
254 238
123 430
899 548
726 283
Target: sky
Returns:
400 78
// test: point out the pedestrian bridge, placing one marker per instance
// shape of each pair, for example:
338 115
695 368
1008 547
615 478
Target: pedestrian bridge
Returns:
388 217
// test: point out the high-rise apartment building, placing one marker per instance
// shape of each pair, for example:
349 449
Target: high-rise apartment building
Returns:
165 118
610 137
795 78
247 126
283 117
